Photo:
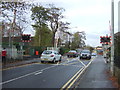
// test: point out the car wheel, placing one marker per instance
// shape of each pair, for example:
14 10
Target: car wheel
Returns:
53 60
60 59
42 61
68 56
89 57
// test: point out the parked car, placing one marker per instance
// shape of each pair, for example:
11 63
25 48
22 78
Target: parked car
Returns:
85 54
72 53
50 56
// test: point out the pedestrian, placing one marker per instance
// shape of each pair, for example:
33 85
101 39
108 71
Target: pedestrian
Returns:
4 54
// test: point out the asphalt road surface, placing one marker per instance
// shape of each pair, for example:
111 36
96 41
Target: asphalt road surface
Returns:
44 75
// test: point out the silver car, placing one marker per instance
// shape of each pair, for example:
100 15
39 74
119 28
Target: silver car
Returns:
50 56
85 54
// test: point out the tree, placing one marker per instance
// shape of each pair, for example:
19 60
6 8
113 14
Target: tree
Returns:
45 33
89 48
64 26
50 16
13 13
63 33
39 15
55 15
78 40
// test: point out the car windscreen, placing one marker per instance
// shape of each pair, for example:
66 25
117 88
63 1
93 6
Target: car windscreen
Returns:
85 51
47 52
72 51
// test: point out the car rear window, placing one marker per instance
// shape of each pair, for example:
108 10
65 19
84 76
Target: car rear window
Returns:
47 52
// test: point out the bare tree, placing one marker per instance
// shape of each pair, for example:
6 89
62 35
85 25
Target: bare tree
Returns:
55 15
13 13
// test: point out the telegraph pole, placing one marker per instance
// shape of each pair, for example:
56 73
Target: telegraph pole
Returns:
112 37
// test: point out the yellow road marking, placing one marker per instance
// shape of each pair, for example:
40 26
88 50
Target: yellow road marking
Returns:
73 79
79 75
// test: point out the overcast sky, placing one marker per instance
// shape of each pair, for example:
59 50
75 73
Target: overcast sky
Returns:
91 16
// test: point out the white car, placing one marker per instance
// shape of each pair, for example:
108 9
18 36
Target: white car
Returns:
50 55
93 54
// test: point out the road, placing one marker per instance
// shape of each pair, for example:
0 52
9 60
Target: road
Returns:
47 75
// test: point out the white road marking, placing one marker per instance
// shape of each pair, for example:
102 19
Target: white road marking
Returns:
75 77
26 75
38 73
82 63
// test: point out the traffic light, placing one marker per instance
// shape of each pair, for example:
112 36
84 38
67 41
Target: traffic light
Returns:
108 39
26 37
105 39
102 39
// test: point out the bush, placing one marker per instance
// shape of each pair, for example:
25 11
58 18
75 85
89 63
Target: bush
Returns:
63 50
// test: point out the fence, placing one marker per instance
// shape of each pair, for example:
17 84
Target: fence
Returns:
25 53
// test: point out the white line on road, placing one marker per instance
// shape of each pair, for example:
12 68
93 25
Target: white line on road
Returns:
75 77
80 74
26 75
69 61
38 73
81 62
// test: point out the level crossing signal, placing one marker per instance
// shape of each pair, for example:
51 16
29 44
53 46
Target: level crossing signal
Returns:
26 38
105 39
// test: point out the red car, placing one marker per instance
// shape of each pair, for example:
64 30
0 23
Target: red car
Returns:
72 53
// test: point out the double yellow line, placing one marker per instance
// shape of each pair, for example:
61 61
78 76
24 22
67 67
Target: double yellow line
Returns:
76 76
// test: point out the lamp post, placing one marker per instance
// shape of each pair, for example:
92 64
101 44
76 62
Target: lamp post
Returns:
112 37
